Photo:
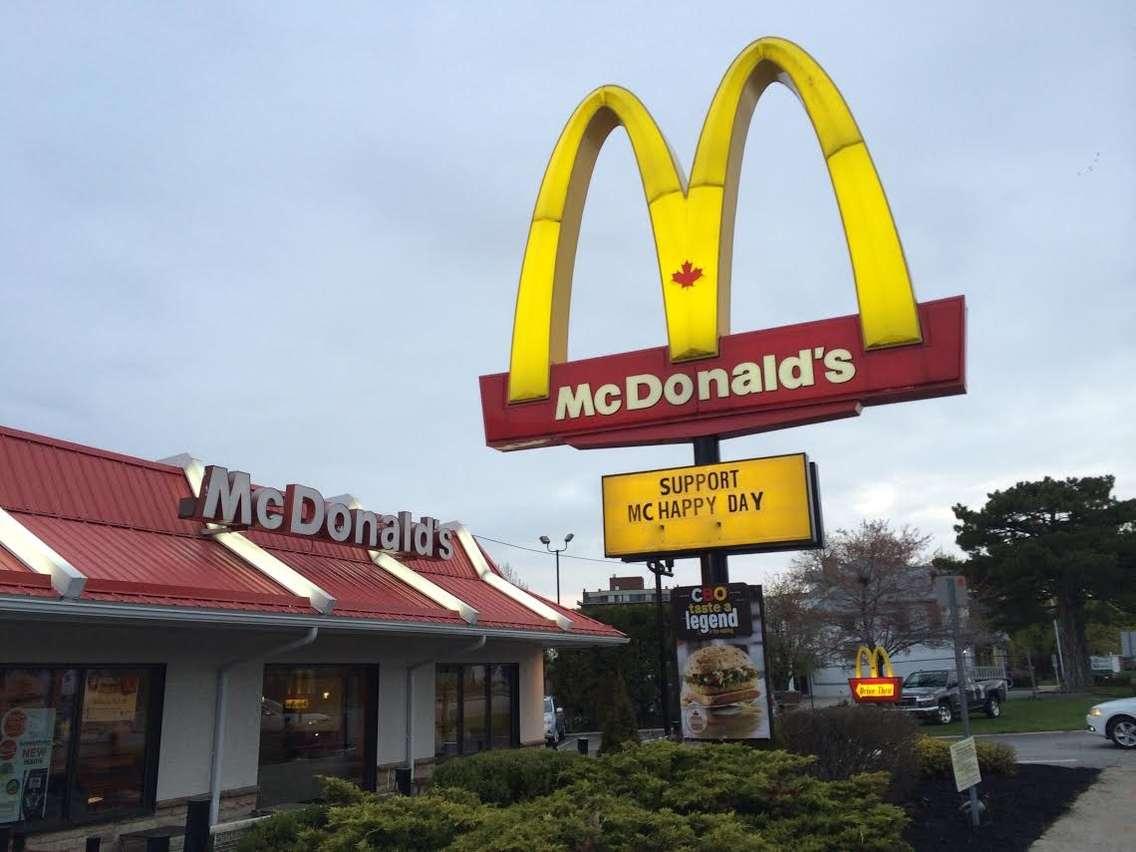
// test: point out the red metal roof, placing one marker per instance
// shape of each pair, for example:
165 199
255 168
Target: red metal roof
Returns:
114 518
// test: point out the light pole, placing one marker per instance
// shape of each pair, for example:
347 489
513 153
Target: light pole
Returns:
547 542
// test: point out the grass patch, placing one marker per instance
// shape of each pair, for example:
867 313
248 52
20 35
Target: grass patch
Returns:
1020 715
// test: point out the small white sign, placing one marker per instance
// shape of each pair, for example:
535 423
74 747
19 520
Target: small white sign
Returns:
964 762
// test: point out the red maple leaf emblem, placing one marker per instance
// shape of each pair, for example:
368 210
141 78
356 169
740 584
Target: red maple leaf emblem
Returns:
686 276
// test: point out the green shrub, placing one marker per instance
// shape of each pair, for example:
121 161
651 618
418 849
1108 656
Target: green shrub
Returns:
290 831
617 718
508 776
847 741
338 791
412 823
994 758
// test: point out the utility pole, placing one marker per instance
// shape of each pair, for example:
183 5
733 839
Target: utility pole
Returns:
547 542
662 568
1062 680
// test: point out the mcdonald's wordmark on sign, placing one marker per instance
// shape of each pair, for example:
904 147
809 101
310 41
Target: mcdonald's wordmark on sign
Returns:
739 506
707 381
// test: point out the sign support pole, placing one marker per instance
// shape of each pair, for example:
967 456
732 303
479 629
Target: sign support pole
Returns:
715 569
963 687
661 568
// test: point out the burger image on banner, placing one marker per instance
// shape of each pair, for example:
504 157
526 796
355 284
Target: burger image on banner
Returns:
718 676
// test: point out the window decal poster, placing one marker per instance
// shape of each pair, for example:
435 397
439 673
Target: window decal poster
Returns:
25 760
725 689
110 698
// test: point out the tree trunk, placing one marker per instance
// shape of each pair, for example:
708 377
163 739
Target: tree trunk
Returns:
1074 647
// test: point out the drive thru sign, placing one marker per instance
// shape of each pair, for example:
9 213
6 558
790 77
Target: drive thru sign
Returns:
881 686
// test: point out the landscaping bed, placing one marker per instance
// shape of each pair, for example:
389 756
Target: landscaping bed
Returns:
841 779
1019 808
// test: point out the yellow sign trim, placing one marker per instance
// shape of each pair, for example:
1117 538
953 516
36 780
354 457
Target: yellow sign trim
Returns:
693 223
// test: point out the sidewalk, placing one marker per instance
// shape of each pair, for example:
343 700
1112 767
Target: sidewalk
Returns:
1101 819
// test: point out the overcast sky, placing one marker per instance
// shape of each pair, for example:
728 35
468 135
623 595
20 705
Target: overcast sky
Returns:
286 238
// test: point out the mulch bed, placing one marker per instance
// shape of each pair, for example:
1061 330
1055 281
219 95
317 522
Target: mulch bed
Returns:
1018 809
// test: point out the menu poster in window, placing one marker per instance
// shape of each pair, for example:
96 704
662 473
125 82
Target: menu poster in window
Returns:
725 689
25 757
110 698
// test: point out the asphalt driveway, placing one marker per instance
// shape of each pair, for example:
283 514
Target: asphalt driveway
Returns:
1066 748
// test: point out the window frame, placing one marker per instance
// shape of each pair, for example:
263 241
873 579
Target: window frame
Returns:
152 754
514 699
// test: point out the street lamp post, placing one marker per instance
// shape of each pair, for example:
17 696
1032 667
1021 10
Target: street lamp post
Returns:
547 542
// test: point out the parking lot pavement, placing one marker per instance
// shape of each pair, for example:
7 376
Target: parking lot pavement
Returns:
1066 748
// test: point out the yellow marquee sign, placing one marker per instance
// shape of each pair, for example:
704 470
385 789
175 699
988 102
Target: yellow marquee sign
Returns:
742 506
693 221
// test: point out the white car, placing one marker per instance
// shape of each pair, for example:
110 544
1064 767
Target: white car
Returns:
1115 720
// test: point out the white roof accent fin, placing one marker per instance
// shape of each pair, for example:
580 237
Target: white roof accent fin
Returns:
252 553
410 577
421 584
67 580
477 558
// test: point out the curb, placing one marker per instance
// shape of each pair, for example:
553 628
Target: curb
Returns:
1010 734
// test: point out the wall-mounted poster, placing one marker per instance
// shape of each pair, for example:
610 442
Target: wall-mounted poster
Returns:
724 687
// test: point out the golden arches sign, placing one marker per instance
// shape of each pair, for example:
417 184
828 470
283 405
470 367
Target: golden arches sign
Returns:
693 222
877 661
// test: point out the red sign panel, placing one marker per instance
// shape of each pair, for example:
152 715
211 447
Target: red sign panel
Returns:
760 381
875 690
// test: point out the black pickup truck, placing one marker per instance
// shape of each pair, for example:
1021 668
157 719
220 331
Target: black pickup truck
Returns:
934 695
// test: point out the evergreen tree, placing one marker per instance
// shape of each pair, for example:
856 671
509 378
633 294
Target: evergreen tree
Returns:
1053 549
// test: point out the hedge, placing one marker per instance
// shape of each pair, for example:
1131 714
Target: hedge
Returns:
508 776
659 795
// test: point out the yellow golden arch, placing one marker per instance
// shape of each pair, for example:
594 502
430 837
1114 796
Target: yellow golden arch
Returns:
693 222
877 660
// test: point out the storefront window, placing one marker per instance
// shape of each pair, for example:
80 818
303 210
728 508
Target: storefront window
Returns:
502 687
474 705
447 714
475 708
77 744
316 720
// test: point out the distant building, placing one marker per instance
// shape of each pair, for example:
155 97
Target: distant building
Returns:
623 590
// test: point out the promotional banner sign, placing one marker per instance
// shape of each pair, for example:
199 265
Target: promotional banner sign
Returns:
725 689
707 381
749 506
880 686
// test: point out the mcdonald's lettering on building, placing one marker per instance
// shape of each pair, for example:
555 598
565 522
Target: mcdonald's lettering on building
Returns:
707 380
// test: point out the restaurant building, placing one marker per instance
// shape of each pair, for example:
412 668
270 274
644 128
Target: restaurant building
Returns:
147 657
